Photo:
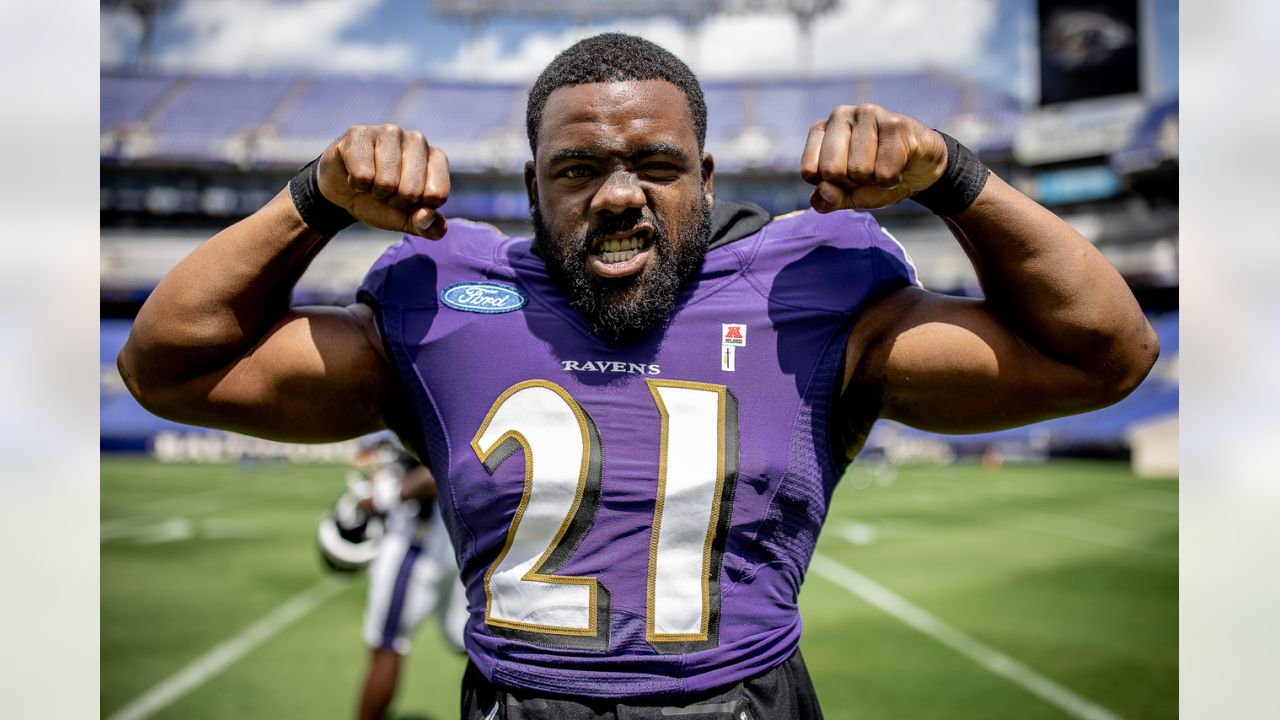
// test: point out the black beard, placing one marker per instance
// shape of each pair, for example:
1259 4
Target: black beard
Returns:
625 308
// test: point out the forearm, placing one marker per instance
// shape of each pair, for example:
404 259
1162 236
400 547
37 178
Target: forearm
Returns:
217 344
1058 331
1053 288
418 484
216 303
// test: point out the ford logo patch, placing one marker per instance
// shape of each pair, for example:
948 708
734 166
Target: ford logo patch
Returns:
482 296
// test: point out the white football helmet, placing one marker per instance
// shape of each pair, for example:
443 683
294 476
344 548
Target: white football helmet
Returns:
346 534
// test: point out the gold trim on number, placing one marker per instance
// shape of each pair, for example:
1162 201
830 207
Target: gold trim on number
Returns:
534 575
650 634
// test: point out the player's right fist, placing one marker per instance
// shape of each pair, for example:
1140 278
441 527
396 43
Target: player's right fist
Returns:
388 178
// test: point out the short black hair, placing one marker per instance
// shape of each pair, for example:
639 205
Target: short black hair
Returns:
615 57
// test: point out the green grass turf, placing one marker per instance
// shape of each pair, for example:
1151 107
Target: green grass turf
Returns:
1070 568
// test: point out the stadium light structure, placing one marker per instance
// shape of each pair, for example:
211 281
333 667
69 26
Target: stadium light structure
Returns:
690 12
146 12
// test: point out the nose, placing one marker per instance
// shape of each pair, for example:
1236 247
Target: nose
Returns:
619 194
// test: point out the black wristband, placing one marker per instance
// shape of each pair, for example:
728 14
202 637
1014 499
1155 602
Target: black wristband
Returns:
316 210
959 185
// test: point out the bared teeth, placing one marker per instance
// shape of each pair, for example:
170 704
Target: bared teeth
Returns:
623 245
619 256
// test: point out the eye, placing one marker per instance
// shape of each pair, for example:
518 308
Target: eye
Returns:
576 172
660 170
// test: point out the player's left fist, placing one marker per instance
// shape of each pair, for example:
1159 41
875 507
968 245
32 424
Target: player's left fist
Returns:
864 157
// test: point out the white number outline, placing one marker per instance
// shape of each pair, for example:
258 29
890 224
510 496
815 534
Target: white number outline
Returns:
587 429
722 502
714 518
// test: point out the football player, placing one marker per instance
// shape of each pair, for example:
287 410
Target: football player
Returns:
412 572
638 416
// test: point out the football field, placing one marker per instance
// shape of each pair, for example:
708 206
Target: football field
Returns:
936 592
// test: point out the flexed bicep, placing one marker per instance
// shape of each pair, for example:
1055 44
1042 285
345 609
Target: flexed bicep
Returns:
316 375
217 344
947 364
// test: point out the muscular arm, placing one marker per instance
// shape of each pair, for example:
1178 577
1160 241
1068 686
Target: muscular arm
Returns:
1058 331
216 343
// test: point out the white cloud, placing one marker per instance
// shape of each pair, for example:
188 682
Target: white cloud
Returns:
484 58
859 36
862 35
236 35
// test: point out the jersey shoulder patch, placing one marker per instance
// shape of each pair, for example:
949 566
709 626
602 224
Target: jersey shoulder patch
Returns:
411 272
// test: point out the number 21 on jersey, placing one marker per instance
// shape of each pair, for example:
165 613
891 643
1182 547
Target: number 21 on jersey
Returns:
697 468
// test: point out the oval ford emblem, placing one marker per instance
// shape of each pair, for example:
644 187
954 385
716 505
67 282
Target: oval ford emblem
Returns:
482 296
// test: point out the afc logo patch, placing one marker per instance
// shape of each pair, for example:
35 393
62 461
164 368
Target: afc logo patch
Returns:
734 334
732 337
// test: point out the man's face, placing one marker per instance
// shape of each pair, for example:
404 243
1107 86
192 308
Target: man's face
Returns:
621 200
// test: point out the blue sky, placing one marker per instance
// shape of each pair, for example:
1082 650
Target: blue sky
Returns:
991 41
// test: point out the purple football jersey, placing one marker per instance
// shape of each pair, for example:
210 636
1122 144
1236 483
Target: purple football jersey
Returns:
631 520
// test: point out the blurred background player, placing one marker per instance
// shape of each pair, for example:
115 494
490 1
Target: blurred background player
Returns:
387 520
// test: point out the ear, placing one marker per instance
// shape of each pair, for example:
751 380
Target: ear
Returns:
531 183
708 177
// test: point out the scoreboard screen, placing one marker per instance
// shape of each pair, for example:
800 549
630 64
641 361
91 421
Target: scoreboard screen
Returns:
1088 49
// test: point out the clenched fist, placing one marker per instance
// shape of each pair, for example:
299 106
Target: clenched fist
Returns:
864 156
388 178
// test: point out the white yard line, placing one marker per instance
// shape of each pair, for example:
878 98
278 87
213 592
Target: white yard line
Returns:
116 529
1088 531
200 670
988 657
125 527
177 529
182 500
857 532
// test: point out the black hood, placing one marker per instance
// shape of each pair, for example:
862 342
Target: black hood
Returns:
733 220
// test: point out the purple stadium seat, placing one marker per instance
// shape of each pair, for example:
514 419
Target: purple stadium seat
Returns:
928 98
724 110
459 112
212 110
126 99
328 106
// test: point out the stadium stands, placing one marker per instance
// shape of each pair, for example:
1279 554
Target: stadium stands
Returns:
463 113
725 120
1154 139
327 106
777 108
127 99
987 121
273 122
182 153
928 98
209 114
188 152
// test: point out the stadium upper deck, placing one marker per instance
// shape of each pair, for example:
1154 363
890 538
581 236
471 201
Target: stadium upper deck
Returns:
182 155
178 151
273 121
